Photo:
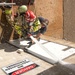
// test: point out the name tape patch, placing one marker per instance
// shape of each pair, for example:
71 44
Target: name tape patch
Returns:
20 67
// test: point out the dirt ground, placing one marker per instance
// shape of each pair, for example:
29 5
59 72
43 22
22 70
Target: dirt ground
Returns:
7 51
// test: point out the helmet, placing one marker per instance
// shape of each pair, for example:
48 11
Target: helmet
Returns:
8 10
30 16
43 21
22 8
8 6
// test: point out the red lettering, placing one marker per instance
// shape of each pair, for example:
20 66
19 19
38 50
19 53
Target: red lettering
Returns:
25 69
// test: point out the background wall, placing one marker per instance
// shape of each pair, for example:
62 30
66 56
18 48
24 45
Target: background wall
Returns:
53 11
69 20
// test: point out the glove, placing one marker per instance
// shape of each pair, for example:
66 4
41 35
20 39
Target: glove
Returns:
29 34
16 15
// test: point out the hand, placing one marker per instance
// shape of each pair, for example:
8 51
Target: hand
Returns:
16 15
29 34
